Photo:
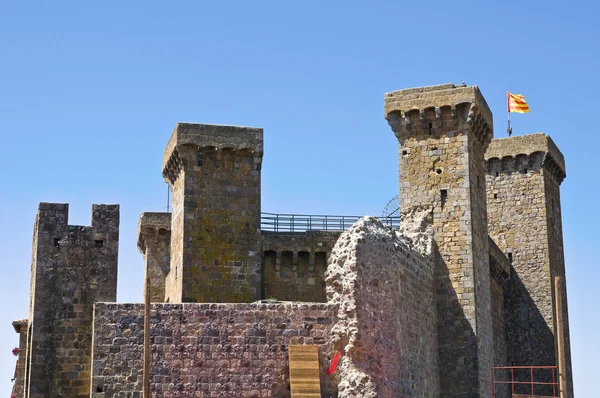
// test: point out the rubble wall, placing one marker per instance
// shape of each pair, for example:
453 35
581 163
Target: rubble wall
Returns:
386 326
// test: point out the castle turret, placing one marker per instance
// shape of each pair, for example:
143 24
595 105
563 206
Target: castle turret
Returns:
214 174
443 132
72 268
154 242
524 174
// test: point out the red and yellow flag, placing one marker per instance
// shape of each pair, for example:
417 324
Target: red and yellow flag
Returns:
516 103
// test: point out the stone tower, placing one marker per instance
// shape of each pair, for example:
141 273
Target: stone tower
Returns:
443 132
524 174
214 174
72 268
154 242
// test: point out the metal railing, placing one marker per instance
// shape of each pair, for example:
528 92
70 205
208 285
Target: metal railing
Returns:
523 381
303 222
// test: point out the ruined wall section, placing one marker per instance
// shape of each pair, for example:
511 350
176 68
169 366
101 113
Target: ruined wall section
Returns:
523 178
386 330
214 174
74 266
154 242
294 264
443 132
234 350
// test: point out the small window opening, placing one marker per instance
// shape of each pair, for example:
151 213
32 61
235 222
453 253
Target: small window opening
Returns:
444 196
99 242
430 125
99 389
495 196
404 152
438 171
524 171
497 174
56 242
510 258
200 156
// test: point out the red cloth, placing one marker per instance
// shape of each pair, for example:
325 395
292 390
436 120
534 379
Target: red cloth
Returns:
334 363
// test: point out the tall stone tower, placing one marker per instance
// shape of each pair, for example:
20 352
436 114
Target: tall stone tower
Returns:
214 174
524 174
72 268
443 132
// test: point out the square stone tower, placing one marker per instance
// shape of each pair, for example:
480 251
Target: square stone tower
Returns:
443 132
524 174
73 267
214 174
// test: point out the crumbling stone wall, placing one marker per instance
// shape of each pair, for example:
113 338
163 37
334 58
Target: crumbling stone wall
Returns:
73 267
214 174
386 328
229 350
443 132
523 194
154 242
294 264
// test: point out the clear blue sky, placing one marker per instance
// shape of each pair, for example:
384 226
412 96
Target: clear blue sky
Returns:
90 92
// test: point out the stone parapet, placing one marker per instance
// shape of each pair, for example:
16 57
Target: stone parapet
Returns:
192 138
439 110
528 147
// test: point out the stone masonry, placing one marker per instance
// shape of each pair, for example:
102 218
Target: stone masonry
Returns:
207 350
154 242
523 178
294 264
73 267
214 174
424 310
443 132
386 353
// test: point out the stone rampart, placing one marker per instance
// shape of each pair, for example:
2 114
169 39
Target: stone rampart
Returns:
213 350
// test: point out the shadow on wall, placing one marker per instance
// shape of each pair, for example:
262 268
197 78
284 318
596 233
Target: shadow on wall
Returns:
457 343
529 339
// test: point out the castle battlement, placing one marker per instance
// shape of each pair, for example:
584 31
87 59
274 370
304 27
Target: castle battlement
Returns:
537 151
444 109
190 142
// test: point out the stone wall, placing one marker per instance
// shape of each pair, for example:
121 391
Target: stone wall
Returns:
294 264
443 132
386 328
523 178
19 377
73 267
154 242
215 350
214 173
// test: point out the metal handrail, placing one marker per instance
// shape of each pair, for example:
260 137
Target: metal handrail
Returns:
304 222
532 383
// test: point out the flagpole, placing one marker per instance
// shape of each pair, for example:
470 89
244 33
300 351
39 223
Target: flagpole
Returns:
508 129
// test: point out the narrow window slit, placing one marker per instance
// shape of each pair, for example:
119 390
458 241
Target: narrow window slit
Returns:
444 196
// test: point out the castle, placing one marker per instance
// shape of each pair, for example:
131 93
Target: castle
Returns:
425 308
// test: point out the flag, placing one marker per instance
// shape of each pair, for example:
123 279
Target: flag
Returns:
516 103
